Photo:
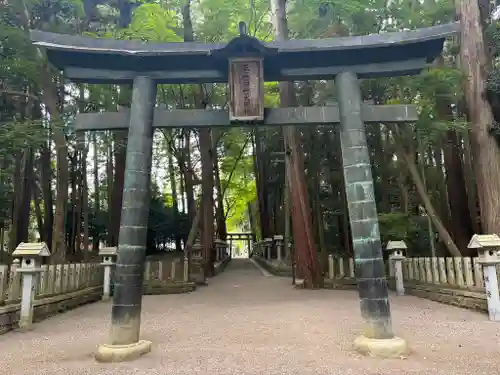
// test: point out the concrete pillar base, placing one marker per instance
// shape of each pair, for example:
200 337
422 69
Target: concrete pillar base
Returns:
382 348
122 353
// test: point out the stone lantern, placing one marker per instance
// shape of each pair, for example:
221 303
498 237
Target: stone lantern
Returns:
278 240
220 247
268 245
397 253
255 250
259 246
31 255
488 246
197 256
108 262
197 251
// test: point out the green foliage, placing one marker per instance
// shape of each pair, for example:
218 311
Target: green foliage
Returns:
493 38
441 82
16 135
218 19
151 22
493 81
395 226
18 65
435 91
54 15
164 224
414 230
98 223
18 131
412 14
271 94
237 177
306 22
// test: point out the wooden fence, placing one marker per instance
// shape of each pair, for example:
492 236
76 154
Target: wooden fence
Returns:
458 272
456 281
52 281
58 288
65 286
164 270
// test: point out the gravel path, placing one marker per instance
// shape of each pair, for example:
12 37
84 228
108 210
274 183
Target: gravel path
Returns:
246 323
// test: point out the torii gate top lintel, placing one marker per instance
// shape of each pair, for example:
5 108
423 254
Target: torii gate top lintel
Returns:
101 60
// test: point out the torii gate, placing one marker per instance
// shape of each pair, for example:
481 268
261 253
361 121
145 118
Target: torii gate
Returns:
246 63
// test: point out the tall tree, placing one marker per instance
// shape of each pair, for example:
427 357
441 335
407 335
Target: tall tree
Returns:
474 62
305 243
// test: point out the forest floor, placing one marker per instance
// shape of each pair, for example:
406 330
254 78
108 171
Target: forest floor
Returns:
247 323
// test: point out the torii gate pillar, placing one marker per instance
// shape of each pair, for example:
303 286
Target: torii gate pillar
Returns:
378 339
124 342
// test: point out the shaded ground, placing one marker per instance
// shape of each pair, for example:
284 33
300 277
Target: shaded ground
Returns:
245 323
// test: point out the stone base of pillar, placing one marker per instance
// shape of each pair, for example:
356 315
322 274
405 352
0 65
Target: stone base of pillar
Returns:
382 348
122 353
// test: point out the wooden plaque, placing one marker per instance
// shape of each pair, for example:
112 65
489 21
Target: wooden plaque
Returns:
246 87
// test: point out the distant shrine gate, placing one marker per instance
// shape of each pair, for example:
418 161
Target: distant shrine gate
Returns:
245 63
